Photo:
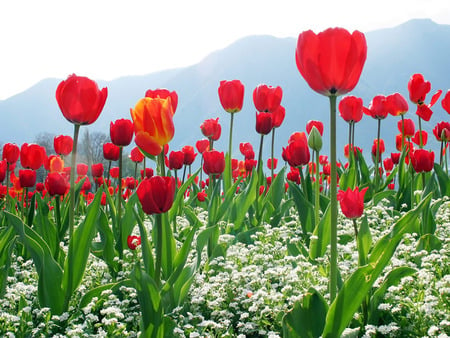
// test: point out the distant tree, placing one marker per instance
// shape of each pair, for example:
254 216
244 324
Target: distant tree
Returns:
91 147
45 140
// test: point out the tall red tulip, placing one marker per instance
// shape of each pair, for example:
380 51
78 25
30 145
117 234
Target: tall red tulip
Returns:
27 178
351 109
231 95
422 160
32 156
408 128
156 194
213 162
352 202
11 152
297 152
189 155
378 108
111 152
418 89
397 104
313 123
176 160
211 129
80 99
264 123
442 131
56 184
331 62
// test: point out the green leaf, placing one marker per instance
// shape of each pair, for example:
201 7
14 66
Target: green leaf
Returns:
105 248
7 242
392 278
97 292
79 248
202 240
147 255
443 179
50 293
358 285
429 242
243 201
178 202
364 240
46 229
305 209
321 236
307 318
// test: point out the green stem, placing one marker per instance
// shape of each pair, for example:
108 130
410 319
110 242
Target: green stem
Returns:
377 157
271 153
73 161
333 200
228 181
119 206
420 132
158 247
317 190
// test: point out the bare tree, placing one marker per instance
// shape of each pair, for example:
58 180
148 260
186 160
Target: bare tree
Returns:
45 140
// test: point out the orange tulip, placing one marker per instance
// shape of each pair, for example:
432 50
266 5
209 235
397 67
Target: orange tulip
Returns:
153 124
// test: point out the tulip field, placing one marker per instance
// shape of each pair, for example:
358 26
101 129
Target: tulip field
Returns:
198 243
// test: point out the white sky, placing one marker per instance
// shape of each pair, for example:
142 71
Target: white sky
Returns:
106 39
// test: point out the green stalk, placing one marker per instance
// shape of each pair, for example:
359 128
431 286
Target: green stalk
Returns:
377 157
158 247
420 132
119 206
271 153
333 200
317 190
73 161
228 182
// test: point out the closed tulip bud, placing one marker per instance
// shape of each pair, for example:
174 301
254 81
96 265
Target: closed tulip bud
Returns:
264 123
407 127
213 162
133 242
97 170
176 160
267 98
351 109
189 155
315 139
11 152
202 145
32 156
156 194
422 160
211 129
136 155
201 196
82 169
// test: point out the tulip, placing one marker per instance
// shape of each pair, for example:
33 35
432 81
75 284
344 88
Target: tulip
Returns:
264 123
246 149
297 151
420 138
11 153
312 123
442 131
351 109
147 172
211 129
422 160
395 157
352 202
406 127
3 167
378 148
278 116
164 94
213 162
56 184
121 132
201 196
32 156
231 95
378 108
63 145
133 242
156 194
189 155
272 163
80 99
82 169
267 98
176 160
111 152
136 155
27 178
202 145
388 164
397 104
97 170
153 124
418 89
54 163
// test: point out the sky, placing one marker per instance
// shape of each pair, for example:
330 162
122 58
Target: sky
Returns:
107 39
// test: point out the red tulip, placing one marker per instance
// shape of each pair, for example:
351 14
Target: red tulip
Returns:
121 132
442 131
164 94
201 196
213 162
271 164
351 109
202 145
156 194
56 184
395 157
422 160
211 129
136 155
27 178
418 89
397 104
267 98
148 172
352 202
416 137
278 116
446 102
111 152
388 164
176 160
189 155
63 145
331 62
80 99
408 127
247 150
297 152
82 169
313 123
378 107
375 146
293 175
97 170
264 124
32 156
3 166
133 242
130 183
231 95
10 153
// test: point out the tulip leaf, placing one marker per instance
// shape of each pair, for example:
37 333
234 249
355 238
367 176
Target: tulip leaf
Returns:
429 242
79 248
147 255
307 318
358 285
243 201
98 291
50 274
443 179
364 240
305 210
178 201
7 242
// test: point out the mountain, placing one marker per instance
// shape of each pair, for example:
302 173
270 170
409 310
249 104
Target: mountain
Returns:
394 54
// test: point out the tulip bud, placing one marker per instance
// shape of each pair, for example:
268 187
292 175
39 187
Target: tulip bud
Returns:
315 139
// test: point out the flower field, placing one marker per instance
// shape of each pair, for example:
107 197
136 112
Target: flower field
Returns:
350 244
